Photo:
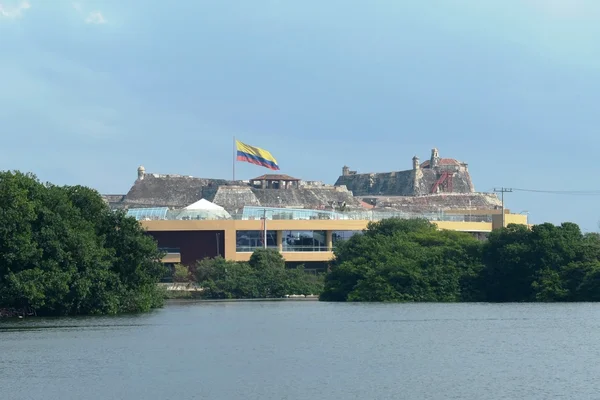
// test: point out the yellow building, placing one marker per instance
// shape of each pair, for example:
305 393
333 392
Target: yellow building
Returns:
302 236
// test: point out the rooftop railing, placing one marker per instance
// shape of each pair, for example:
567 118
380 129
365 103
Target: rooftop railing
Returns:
257 213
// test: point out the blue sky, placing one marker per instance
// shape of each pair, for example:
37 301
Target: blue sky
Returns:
92 89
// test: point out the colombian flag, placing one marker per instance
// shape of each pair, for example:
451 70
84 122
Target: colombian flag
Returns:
255 155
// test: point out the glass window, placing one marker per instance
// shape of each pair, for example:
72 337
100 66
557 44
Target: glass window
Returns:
248 241
304 241
148 214
340 236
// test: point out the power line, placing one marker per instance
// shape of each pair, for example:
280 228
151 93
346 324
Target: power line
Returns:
563 192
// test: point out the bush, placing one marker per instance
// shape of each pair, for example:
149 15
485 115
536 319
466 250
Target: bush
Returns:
182 274
264 276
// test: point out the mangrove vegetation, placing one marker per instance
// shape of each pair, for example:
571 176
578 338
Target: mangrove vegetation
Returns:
263 276
64 252
411 260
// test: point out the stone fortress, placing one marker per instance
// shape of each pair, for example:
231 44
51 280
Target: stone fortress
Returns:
434 176
434 185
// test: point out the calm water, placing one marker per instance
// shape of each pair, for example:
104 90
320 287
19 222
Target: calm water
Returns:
308 350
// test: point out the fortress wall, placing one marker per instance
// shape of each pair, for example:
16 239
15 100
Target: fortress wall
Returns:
391 183
461 182
179 191
234 198
433 203
170 191
403 183
423 186
305 198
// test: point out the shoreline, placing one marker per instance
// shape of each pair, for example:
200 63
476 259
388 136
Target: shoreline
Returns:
172 300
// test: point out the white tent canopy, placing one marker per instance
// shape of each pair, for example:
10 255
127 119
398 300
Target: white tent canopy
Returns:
204 205
203 209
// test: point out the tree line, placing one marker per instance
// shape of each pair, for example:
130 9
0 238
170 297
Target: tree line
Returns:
411 260
64 252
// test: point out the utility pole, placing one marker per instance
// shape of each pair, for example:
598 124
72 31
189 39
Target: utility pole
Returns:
502 191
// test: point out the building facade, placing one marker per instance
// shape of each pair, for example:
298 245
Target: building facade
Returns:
308 240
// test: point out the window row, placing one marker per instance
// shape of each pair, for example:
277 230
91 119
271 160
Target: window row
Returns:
248 241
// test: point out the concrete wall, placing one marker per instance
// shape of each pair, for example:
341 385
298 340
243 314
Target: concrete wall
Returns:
508 219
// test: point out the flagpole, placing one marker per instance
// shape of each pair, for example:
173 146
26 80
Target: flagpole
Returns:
234 158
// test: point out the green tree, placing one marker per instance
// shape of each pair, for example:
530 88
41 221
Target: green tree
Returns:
222 279
509 265
63 251
545 263
589 286
404 260
270 274
263 276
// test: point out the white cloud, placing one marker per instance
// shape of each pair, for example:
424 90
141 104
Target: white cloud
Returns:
14 11
95 17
